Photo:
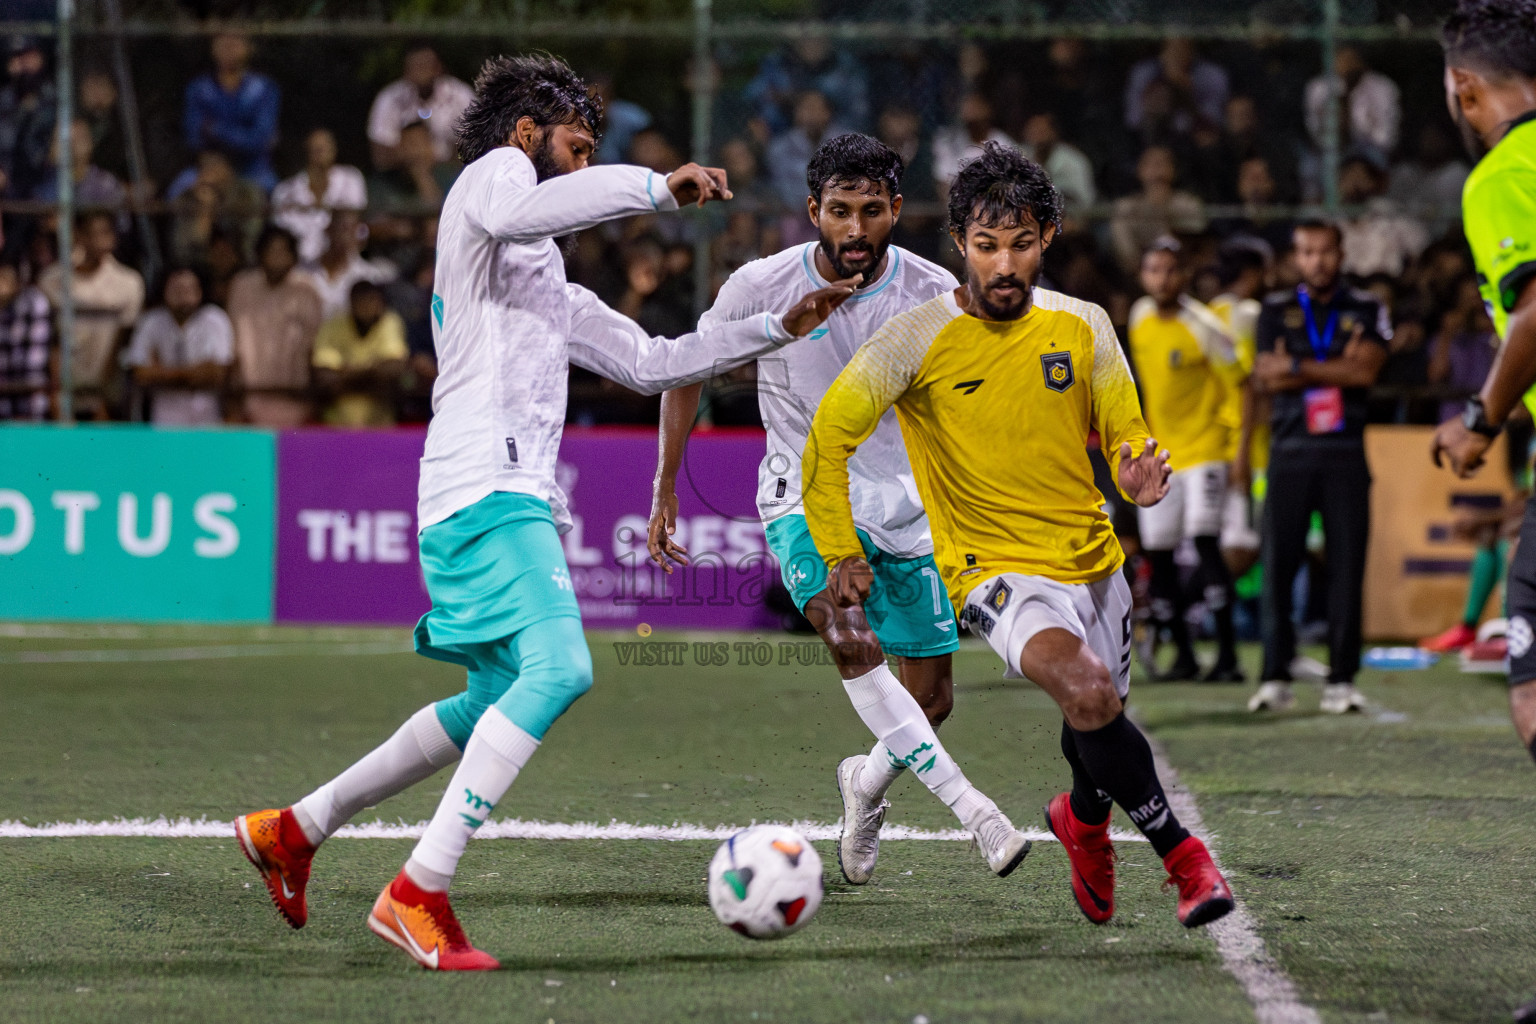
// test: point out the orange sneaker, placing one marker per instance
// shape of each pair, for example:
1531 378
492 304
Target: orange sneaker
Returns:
274 842
1203 893
422 924
1454 639
1092 856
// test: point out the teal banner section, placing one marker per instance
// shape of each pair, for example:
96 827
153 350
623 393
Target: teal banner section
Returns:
132 524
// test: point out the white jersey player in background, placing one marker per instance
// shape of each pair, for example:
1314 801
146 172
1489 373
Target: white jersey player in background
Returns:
853 184
506 326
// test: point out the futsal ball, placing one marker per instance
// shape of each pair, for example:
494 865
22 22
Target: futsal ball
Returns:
765 882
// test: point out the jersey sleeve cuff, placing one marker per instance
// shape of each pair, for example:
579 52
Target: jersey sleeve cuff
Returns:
1513 283
661 196
774 329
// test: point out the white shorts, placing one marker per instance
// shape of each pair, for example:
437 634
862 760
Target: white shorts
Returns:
1237 532
1193 507
1008 610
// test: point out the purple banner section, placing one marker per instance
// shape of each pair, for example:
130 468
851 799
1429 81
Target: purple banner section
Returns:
346 531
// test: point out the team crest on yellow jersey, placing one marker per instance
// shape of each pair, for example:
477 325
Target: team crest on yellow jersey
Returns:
1058 370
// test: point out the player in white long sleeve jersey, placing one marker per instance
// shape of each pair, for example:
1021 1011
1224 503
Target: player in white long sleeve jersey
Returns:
853 198
506 325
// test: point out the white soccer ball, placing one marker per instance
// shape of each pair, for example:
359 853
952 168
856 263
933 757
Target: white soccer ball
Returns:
765 882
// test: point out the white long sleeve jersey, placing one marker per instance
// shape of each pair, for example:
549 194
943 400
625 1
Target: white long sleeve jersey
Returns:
506 324
790 384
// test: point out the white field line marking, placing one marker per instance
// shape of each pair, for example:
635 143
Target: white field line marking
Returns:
202 828
126 654
1272 993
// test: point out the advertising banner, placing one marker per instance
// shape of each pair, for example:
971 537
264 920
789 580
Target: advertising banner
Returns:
133 524
1416 568
346 530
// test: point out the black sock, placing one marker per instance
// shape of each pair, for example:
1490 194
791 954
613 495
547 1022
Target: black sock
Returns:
1120 761
1532 748
1090 804
1216 583
1168 602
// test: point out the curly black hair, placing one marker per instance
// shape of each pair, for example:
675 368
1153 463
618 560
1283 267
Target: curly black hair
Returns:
1496 37
848 159
536 85
998 187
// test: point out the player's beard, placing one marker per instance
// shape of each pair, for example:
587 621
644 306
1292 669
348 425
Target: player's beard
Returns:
999 310
834 253
1476 147
543 157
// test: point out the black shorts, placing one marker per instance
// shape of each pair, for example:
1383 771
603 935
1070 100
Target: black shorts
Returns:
1521 595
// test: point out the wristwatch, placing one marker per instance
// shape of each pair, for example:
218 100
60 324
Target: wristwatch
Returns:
1475 418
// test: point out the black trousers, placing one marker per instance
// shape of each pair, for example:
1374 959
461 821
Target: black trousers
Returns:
1330 477
1520 595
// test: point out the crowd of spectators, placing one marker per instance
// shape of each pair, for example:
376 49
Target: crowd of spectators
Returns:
306 298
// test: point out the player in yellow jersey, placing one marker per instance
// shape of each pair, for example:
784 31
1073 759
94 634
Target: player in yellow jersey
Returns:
1187 365
996 387
1242 267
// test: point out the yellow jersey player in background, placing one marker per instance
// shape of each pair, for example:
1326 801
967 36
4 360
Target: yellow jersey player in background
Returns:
1187 365
1242 268
996 387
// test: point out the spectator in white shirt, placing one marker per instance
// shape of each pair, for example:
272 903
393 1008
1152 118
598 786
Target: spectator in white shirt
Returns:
958 143
342 264
426 93
303 203
181 352
1069 168
1371 111
1382 239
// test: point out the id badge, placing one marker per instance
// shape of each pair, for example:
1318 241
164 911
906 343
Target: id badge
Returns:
1325 410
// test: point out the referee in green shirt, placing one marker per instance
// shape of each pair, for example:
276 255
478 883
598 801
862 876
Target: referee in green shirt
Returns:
1490 87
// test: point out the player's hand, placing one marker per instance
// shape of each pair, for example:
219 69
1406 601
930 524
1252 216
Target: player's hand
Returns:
1462 447
1269 369
849 582
1144 479
811 311
691 183
664 550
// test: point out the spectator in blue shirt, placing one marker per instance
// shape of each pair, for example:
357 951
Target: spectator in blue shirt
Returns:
810 64
234 110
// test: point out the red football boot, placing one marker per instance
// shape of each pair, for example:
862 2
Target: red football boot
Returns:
1453 639
1203 894
1092 856
422 924
274 842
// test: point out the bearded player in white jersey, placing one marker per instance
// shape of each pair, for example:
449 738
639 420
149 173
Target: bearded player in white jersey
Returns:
854 199
506 326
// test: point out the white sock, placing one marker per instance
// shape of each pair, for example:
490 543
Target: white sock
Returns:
897 720
416 750
879 772
496 752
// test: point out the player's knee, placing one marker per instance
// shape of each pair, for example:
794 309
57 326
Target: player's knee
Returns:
1092 702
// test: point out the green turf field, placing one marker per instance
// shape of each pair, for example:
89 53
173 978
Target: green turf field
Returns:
1385 858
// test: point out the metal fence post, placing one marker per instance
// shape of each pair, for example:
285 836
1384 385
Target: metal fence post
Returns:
1332 120
704 84
65 83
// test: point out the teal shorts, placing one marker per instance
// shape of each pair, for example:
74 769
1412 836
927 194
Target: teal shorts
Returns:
492 569
908 606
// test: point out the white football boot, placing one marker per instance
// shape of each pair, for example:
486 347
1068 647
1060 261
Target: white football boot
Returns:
1341 698
1003 845
1272 696
859 845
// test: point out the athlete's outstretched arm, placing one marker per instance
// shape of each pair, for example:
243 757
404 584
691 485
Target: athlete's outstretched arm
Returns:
1141 472
878 374
607 342
679 409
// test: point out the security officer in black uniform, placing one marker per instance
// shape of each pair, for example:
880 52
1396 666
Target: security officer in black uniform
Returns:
1319 348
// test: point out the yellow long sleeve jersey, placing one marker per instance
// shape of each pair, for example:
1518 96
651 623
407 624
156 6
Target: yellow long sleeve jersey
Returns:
996 417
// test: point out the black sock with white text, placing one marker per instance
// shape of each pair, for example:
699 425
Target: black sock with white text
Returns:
1090 804
1119 759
